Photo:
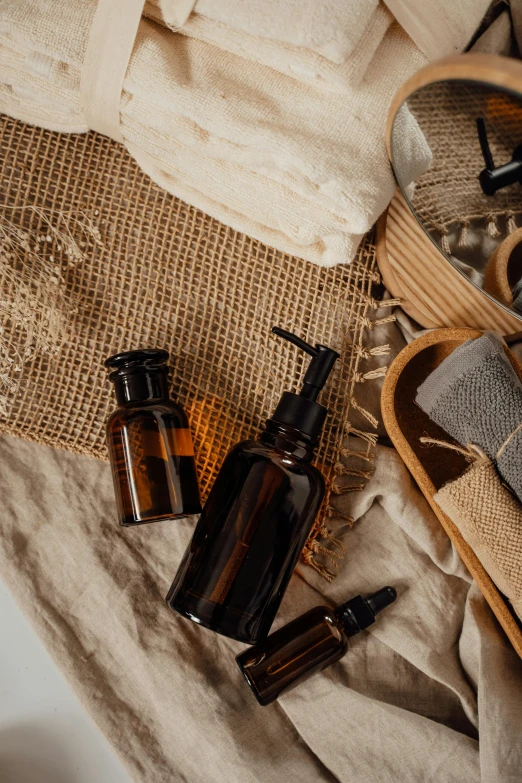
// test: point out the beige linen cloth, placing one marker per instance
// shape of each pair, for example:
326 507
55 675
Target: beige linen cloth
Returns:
430 694
301 169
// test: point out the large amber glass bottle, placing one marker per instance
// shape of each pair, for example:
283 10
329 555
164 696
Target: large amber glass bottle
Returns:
257 517
150 444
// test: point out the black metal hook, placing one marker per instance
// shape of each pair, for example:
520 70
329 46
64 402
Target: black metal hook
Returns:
493 178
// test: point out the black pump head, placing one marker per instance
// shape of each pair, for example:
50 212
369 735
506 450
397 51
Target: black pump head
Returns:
319 368
301 411
494 178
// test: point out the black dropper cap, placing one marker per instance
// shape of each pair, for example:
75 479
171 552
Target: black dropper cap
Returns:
358 613
139 376
301 411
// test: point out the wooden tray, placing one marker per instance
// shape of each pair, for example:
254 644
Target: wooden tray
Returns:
432 467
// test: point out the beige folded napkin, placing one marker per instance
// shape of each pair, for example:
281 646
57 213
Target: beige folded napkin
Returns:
490 520
328 42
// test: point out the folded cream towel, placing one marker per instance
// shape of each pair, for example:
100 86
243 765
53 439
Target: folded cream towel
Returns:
330 44
297 168
439 27
331 41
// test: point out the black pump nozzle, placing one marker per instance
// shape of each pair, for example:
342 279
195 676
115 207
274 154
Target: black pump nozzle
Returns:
358 613
319 368
494 178
301 411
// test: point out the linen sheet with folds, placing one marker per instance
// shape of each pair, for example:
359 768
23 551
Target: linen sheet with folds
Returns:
431 692
299 166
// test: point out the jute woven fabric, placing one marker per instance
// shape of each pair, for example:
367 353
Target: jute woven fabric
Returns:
95 258
490 519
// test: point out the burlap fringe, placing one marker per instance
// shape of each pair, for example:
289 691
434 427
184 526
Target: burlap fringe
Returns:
33 297
325 551
463 229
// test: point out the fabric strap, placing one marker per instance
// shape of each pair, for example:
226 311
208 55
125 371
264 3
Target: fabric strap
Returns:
182 10
111 40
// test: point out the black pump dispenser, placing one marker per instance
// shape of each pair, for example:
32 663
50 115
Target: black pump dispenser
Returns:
258 516
301 411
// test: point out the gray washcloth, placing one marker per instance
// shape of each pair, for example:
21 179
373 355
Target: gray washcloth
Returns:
476 396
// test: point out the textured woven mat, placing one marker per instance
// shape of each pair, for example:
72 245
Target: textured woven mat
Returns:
449 193
95 258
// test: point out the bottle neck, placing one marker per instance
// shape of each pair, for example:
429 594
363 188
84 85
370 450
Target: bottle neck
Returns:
142 386
355 615
288 439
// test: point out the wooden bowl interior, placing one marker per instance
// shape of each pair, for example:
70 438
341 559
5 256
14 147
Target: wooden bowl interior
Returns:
440 464
514 266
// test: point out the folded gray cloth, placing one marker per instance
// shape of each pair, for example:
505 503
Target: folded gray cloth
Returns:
476 396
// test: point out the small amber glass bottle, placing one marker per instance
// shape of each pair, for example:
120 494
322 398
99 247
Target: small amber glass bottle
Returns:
308 644
150 444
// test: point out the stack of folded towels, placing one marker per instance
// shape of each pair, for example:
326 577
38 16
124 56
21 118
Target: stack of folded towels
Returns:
268 116
476 397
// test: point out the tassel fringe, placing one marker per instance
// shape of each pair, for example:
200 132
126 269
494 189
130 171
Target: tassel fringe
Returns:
326 549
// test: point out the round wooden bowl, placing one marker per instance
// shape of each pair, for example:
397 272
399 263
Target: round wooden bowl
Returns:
432 467
504 268
413 267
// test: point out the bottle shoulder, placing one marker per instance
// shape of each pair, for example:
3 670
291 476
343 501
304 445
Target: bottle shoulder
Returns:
167 411
255 450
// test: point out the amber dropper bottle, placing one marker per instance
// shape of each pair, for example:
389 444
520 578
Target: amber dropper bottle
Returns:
308 644
149 440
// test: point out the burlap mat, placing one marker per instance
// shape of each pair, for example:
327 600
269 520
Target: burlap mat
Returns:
95 258
448 195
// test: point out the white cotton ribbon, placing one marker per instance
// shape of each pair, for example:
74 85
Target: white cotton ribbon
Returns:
109 48
182 10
